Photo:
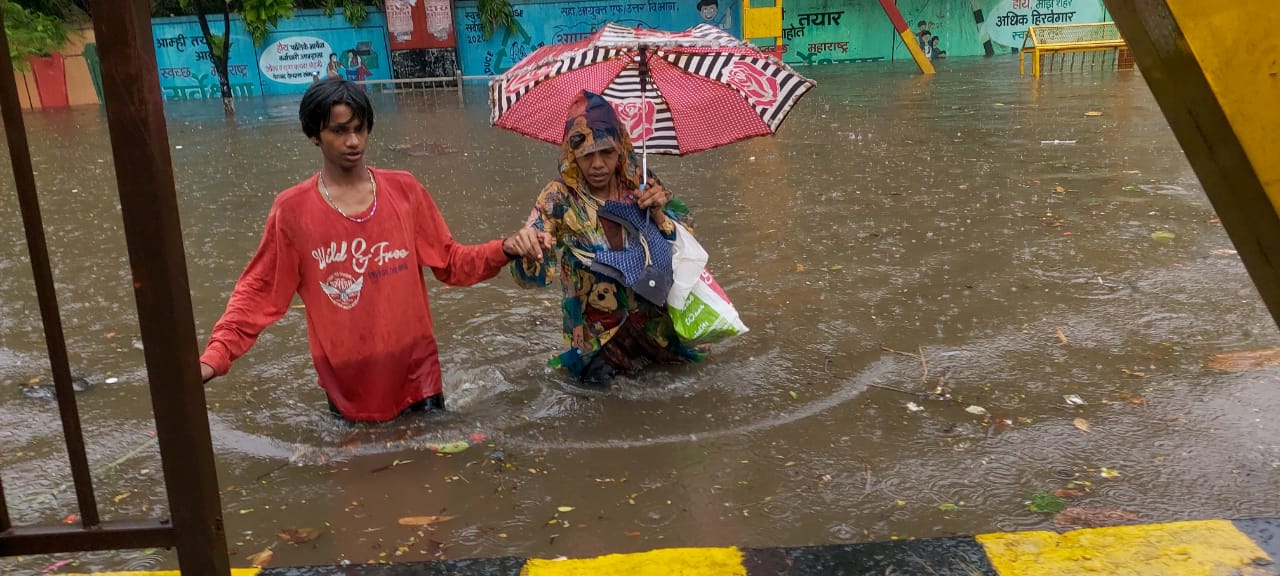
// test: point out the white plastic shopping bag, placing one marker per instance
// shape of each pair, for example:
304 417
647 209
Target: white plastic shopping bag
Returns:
699 308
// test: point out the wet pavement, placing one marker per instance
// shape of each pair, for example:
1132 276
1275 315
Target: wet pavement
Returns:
901 236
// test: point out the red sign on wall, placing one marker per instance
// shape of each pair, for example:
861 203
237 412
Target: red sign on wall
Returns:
420 24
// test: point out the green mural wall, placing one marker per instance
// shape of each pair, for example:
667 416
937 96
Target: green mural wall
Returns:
832 31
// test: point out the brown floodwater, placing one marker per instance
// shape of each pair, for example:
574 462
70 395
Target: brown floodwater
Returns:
893 216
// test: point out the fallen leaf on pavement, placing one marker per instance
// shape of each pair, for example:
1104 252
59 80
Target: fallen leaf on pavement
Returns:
1077 517
298 536
261 559
1082 424
424 520
1244 361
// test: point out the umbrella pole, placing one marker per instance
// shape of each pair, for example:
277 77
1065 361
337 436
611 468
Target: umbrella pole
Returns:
644 144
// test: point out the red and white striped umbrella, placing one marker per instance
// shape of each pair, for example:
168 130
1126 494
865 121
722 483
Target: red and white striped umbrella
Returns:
704 88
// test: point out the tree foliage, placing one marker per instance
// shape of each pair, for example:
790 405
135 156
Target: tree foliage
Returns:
31 33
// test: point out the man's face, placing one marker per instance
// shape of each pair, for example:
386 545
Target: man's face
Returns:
342 140
598 168
708 12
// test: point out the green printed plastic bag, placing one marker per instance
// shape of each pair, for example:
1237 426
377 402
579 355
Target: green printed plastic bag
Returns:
699 308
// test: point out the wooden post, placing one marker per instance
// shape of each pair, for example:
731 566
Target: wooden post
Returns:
149 205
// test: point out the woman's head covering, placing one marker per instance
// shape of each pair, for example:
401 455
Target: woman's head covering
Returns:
592 125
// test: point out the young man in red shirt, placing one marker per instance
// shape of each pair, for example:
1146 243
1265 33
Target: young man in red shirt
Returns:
352 241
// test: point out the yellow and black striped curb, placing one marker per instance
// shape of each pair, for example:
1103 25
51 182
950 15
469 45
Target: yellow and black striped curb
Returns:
1199 548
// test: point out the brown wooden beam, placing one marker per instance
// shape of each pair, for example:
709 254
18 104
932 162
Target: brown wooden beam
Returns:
107 536
1185 95
149 205
15 132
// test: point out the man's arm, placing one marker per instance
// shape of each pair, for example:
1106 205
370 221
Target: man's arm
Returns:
462 265
261 296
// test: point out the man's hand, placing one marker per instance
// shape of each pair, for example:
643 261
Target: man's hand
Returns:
206 372
654 196
528 243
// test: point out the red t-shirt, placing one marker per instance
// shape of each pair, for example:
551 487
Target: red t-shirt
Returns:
368 317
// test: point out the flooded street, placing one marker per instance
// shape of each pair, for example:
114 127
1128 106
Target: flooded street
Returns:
1060 277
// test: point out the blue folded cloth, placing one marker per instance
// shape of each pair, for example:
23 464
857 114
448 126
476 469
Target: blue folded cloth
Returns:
649 277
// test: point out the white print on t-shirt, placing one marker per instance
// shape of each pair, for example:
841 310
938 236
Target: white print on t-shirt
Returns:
361 253
343 289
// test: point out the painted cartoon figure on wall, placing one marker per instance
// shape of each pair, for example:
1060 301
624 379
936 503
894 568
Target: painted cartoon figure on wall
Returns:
713 14
512 50
355 66
335 68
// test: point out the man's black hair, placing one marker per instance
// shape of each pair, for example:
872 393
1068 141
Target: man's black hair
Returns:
922 24
322 96
703 3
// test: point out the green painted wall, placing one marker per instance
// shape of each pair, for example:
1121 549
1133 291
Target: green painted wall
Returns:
827 31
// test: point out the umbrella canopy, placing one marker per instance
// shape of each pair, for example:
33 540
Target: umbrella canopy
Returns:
702 88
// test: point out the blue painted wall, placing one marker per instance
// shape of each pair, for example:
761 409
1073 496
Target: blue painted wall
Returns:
542 23
283 64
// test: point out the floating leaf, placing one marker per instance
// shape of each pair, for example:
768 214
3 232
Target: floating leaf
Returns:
976 410
1163 235
298 536
913 407
631 534
1093 114
1073 400
1133 398
1068 493
261 559
835 267
118 497
1047 503
449 447
564 509
55 566
1059 190
1132 374
1082 424
1108 473
1062 336
947 507
424 520
1244 361
799 267
793 394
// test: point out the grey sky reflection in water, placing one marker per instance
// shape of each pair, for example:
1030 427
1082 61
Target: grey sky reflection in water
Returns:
892 210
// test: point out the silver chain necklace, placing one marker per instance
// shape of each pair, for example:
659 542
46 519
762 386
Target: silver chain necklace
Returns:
324 189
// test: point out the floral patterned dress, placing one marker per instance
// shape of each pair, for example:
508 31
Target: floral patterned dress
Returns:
629 331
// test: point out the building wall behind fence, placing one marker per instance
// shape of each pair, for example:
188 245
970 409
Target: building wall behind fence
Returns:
542 22
815 31
292 54
833 31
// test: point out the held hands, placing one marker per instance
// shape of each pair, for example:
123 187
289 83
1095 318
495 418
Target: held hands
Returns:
655 197
528 243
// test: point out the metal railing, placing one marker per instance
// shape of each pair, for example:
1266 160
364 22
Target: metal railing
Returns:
148 201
